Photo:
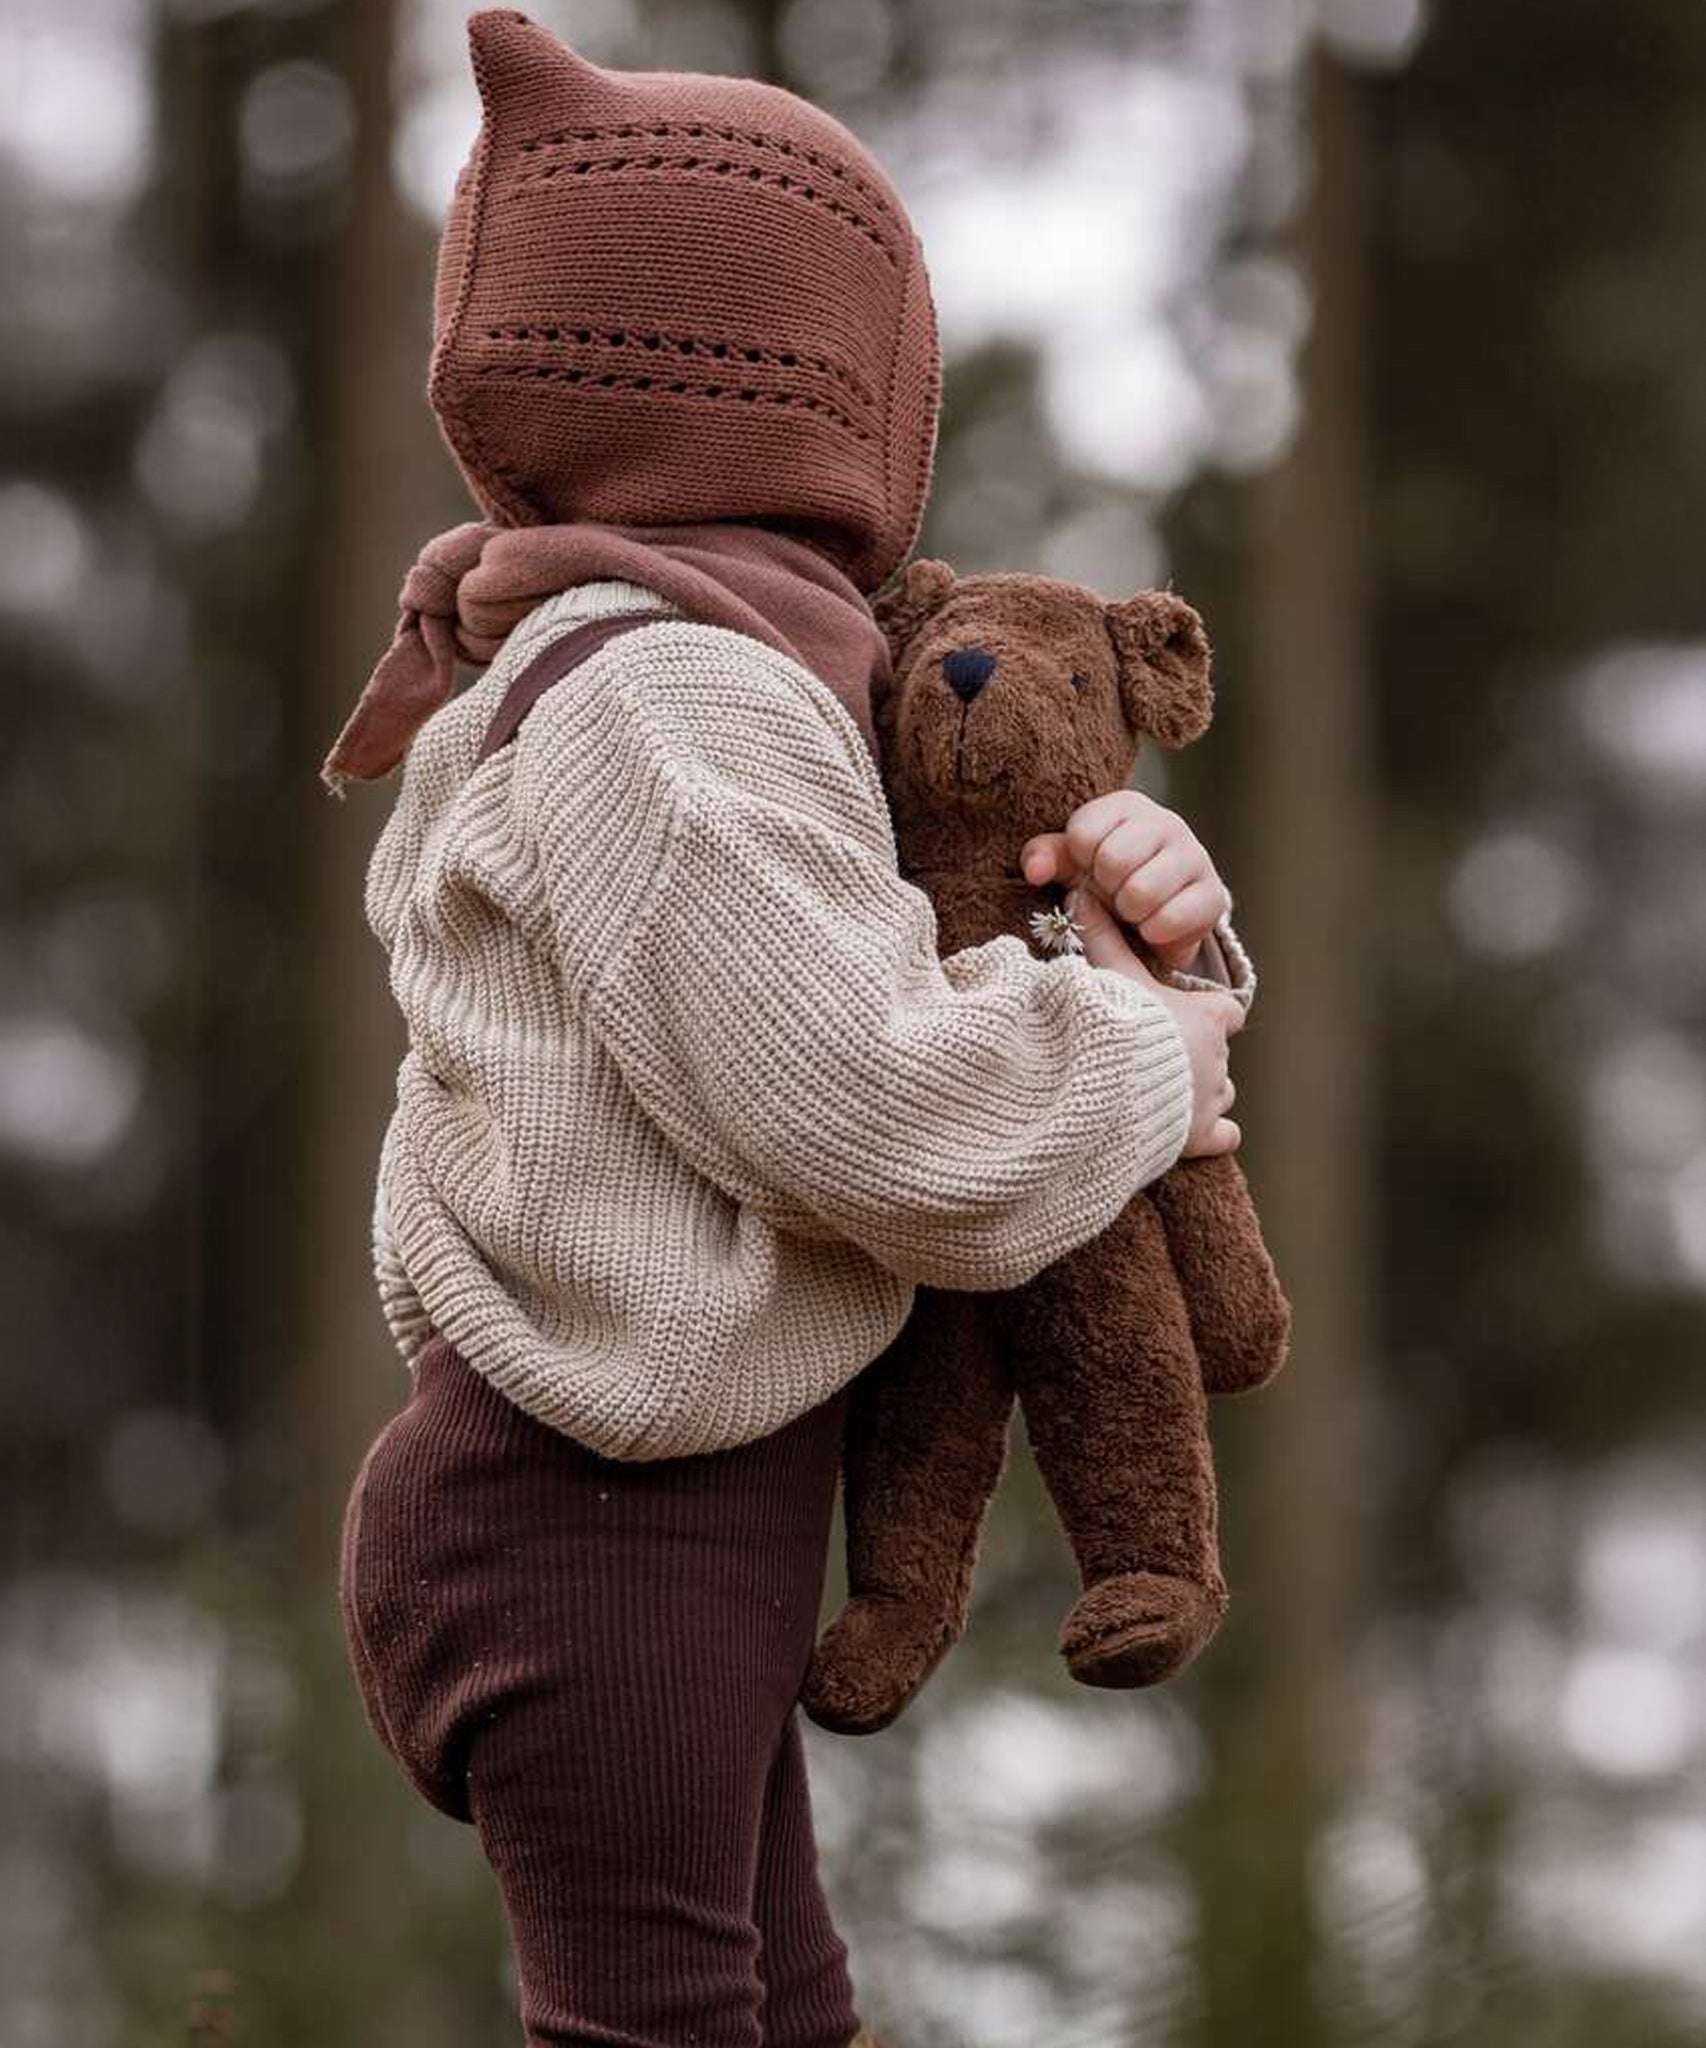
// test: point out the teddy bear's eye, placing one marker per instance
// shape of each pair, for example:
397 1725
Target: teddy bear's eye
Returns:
1079 679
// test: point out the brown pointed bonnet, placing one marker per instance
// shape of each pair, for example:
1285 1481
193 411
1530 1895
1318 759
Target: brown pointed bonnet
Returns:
666 297
683 334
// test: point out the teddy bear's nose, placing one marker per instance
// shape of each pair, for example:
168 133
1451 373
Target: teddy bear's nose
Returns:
967 670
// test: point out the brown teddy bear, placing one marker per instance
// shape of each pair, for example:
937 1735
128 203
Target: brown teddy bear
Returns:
1014 699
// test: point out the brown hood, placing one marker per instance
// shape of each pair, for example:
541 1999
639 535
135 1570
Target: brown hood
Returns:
670 298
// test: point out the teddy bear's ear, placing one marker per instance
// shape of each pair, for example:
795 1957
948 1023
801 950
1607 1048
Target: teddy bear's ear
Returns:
907 600
1163 656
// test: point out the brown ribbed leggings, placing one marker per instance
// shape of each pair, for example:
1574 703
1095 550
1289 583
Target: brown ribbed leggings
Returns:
595 1662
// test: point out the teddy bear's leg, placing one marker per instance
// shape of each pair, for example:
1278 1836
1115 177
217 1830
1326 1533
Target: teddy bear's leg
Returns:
1113 1398
926 1439
1239 1314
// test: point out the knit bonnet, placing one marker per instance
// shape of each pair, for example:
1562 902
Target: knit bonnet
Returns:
682 335
671 297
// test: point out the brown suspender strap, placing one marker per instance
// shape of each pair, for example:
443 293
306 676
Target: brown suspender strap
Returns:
551 664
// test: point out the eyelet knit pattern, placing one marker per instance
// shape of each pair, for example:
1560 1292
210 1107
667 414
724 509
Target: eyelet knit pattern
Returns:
712 292
691 1104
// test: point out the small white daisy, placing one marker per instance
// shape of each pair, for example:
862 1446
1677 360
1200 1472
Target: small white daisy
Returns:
1056 932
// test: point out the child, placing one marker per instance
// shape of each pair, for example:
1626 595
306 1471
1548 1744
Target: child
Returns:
690 1105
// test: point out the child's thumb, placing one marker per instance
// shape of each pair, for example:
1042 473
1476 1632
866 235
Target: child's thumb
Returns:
1102 935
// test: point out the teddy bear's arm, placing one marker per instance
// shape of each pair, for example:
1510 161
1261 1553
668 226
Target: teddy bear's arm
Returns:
1240 1316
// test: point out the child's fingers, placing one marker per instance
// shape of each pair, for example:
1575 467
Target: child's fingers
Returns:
1067 855
1049 857
1225 1137
1167 893
1102 935
1143 826
1142 894
1041 859
1187 917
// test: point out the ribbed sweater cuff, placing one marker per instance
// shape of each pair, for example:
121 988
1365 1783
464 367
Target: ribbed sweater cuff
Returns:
1158 1115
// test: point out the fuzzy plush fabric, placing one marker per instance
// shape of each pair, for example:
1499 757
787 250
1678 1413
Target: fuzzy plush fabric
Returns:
1014 699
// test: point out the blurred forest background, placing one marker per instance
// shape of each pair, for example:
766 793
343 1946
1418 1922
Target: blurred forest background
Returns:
1380 330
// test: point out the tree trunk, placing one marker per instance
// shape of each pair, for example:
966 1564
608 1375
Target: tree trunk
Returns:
1283 1739
377 485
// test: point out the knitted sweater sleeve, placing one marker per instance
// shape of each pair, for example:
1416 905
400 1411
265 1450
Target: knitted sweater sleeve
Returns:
720 886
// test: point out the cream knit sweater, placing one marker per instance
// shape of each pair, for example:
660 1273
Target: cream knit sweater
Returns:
690 1103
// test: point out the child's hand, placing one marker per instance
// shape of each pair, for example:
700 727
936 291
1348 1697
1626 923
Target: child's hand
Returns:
1144 862
1207 1019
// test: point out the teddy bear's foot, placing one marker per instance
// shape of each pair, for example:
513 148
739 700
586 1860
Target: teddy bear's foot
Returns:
870 1662
1139 1628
